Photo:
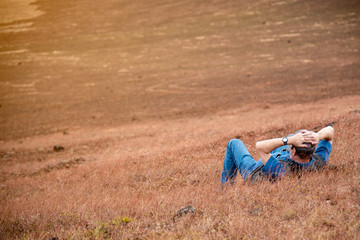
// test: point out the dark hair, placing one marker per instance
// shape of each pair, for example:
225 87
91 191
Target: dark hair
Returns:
305 152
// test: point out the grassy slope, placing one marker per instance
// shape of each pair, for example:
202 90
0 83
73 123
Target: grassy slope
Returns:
127 190
138 198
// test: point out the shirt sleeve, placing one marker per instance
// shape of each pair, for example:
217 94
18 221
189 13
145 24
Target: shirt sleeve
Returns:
273 168
324 149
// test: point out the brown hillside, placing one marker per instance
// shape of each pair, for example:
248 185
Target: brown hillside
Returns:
141 97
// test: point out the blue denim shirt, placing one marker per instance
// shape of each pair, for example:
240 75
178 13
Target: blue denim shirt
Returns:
273 168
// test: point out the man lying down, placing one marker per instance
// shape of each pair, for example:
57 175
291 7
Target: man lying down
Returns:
303 151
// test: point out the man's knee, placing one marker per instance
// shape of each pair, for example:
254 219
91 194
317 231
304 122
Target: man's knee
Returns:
234 142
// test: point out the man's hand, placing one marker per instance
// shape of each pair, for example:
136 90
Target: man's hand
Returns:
304 136
312 137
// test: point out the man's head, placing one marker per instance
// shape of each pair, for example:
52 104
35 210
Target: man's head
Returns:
302 152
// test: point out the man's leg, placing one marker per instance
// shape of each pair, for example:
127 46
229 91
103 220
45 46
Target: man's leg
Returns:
237 157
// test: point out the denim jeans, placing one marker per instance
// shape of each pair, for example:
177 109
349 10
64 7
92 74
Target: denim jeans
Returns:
237 158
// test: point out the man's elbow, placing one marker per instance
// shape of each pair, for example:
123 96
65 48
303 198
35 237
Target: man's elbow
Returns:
331 133
264 155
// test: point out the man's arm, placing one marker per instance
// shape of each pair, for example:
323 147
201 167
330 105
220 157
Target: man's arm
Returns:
327 133
324 148
265 147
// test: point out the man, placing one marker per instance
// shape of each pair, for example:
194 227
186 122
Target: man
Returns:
303 151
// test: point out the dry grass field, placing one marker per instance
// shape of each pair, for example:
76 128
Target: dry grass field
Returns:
130 186
114 115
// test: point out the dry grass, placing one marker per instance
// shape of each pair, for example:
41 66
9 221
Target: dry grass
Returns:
175 84
137 198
